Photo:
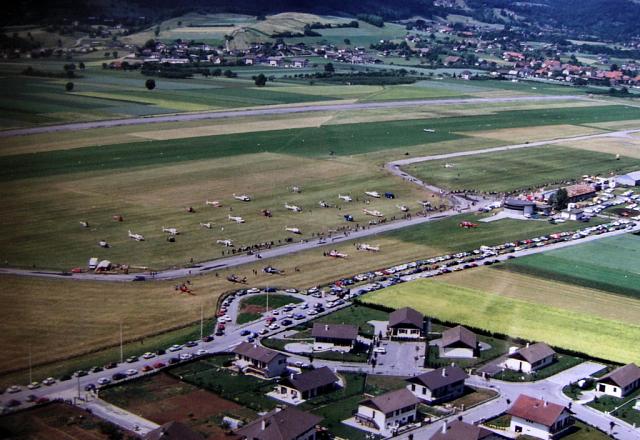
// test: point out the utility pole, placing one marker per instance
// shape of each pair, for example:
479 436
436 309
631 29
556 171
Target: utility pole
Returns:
267 298
30 366
201 320
121 348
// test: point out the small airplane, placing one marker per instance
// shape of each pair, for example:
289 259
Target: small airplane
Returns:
236 279
172 231
236 219
345 198
324 204
296 189
206 225
272 270
242 197
84 224
467 224
375 194
428 130
227 243
214 203
372 212
293 208
367 247
293 230
335 254
136 237
103 244
403 208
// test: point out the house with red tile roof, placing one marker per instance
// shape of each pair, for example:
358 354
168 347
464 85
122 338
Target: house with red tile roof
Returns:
539 418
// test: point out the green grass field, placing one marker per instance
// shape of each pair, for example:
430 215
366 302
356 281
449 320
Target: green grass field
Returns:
610 264
580 332
520 169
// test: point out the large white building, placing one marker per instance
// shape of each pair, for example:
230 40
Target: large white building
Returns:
630 179
530 358
389 411
539 418
620 382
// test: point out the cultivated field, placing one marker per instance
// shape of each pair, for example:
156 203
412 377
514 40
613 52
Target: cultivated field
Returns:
610 264
627 146
581 332
520 169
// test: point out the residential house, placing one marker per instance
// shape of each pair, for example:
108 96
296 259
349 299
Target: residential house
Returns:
459 342
620 382
439 385
579 192
406 323
262 361
539 418
530 358
459 430
452 60
299 62
334 336
173 431
388 411
300 387
275 61
286 424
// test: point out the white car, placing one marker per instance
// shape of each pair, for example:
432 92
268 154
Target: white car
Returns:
263 331
253 290
274 326
175 347
148 355
104 381
131 372
49 381
312 312
186 356
33 385
201 352
13 389
380 350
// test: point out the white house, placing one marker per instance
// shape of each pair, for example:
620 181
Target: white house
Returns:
620 382
341 337
389 411
299 387
538 418
438 385
258 360
286 424
459 342
406 323
530 358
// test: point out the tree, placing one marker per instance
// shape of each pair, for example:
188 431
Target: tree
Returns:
328 68
150 84
81 65
260 80
560 199
347 42
156 31
68 86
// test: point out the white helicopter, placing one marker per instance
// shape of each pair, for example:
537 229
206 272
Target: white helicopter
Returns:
206 225
403 208
172 231
242 197
214 203
293 208
136 237
84 224
367 247
335 254
375 194
236 219
293 230
324 204
227 243
345 198
372 212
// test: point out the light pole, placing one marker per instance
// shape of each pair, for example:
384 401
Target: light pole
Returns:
121 347
30 366
201 320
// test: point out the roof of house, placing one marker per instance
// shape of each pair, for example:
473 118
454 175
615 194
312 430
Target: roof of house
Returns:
334 331
536 410
406 316
623 376
579 190
458 430
310 380
534 352
391 401
459 334
286 424
173 431
257 352
439 378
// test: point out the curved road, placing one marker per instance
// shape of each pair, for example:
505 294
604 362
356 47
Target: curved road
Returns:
460 204
182 117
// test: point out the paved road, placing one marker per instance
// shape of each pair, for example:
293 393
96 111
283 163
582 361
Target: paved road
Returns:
276 111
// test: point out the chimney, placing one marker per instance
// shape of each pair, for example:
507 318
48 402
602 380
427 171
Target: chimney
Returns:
527 345
263 425
444 427
444 372
326 327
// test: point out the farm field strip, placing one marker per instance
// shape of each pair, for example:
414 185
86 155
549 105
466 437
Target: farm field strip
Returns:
581 332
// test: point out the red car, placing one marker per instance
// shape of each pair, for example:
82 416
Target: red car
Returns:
147 368
158 365
76 270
